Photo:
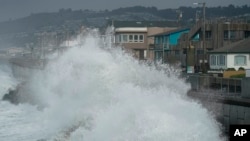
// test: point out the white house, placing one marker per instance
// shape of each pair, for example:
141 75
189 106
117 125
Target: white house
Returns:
235 55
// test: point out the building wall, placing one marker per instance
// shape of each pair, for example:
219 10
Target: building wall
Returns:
141 50
231 61
235 114
171 51
132 31
173 39
153 31
157 30
217 37
143 45
218 30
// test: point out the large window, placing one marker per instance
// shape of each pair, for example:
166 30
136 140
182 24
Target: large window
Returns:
218 60
129 38
240 60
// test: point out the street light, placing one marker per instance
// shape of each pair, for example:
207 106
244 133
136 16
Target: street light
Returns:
203 36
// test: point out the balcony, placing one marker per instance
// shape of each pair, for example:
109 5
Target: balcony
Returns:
160 47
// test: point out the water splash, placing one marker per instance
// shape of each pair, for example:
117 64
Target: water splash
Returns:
96 94
7 80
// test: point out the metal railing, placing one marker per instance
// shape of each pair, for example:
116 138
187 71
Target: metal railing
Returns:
216 85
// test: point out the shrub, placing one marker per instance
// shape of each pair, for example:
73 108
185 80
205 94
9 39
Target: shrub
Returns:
241 69
238 76
230 69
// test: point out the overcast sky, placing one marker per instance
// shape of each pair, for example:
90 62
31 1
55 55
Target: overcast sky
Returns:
12 9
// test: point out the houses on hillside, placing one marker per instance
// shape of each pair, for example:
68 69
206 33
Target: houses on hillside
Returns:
160 41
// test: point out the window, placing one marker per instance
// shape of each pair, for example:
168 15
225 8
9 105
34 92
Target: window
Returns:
229 34
226 34
136 39
199 52
131 38
213 60
141 54
208 34
240 60
141 38
117 38
218 60
124 38
158 56
247 34
221 60
157 40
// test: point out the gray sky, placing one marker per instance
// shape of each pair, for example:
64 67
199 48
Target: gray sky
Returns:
12 9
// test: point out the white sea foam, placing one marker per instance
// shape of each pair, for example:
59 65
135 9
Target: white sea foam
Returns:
7 81
96 94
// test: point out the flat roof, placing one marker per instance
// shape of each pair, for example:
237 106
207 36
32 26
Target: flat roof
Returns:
131 29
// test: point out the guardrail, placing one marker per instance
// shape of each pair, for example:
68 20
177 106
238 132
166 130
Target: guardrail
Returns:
220 85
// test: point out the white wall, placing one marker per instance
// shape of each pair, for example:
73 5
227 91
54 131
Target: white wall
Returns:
231 64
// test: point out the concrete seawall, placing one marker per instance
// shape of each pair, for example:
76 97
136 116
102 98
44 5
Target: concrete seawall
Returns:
227 98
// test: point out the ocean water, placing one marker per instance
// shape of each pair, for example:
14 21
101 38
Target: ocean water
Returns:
96 93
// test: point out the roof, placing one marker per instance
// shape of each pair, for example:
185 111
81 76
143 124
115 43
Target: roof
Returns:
170 32
242 46
118 24
131 29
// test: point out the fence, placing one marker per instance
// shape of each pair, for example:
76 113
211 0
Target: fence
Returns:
227 86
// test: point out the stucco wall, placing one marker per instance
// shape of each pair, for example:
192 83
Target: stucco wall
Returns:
231 64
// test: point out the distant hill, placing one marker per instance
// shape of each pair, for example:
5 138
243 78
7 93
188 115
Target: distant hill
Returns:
23 30
69 19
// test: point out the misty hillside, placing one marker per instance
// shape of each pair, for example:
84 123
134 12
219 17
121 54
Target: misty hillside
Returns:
66 22
72 20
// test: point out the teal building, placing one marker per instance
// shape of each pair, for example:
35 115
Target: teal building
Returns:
165 44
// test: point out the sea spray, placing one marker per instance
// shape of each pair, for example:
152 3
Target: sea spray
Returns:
95 93
7 80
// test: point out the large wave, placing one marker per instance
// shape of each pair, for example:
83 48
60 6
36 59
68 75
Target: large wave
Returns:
95 93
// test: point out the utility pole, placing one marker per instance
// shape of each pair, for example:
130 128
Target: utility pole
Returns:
203 36
204 29
179 16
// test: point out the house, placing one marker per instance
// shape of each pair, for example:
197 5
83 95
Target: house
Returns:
217 34
165 45
235 55
133 36
133 40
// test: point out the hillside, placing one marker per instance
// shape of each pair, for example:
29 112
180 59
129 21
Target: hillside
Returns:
68 19
22 30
